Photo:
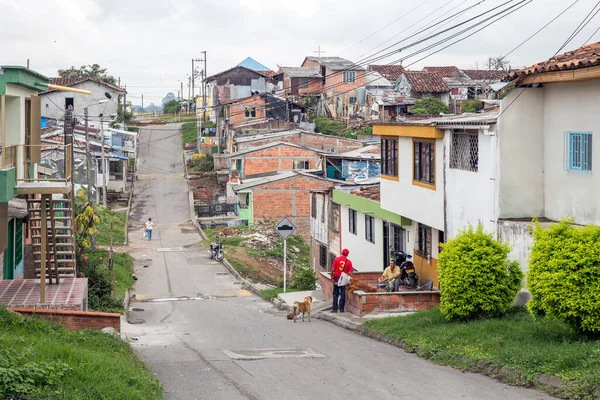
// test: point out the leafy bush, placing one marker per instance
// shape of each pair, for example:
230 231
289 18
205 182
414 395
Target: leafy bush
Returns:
100 283
429 106
202 163
304 279
470 106
476 278
172 106
330 126
564 275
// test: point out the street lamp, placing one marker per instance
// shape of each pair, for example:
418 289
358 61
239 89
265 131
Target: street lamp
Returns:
87 148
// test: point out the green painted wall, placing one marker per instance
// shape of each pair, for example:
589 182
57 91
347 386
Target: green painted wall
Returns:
23 77
367 206
8 181
247 214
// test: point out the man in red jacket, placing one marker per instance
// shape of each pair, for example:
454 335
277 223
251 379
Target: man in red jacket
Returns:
340 264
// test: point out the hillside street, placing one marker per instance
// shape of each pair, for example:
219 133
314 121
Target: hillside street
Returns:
207 338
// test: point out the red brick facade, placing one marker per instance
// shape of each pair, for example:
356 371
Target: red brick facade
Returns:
289 198
241 110
361 303
75 320
316 141
277 158
333 82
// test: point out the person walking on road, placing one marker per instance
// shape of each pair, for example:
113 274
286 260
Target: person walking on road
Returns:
340 275
149 227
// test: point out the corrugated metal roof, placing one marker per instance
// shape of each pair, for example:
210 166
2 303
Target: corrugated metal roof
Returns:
251 63
250 183
462 119
267 146
337 63
301 72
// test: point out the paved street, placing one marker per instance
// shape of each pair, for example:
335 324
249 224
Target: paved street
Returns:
206 338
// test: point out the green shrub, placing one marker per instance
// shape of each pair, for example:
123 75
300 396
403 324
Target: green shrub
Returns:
429 106
304 279
471 106
100 283
564 275
476 278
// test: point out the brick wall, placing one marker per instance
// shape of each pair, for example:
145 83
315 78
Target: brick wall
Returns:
236 111
75 320
277 158
220 161
361 303
315 141
287 198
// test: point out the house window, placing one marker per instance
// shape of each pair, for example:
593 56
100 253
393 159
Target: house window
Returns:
69 102
239 166
301 164
464 151
398 241
370 228
579 156
352 99
352 221
389 157
323 256
424 162
250 112
334 216
424 238
313 206
349 77
302 83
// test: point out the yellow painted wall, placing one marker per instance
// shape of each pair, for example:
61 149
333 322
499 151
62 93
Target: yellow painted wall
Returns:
426 270
417 131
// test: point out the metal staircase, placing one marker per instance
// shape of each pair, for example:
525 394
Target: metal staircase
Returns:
58 237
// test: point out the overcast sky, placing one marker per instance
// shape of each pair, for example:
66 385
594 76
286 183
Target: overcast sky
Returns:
149 44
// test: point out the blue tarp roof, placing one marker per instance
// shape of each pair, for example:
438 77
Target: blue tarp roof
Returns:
253 64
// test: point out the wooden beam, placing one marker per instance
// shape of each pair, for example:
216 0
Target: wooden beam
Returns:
53 225
572 75
44 238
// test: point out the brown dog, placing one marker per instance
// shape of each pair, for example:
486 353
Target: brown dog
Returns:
355 285
303 308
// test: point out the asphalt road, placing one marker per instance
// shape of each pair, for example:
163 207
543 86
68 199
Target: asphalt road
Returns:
206 338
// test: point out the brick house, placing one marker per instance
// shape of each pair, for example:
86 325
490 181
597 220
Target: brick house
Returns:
340 80
269 199
316 141
420 84
272 157
389 72
300 80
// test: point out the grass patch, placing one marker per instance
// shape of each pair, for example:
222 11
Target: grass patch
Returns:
515 341
189 131
330 126
107 290
51 362
118 221
269 294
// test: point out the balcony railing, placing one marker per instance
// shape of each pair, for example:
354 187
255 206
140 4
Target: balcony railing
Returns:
8 157
28 183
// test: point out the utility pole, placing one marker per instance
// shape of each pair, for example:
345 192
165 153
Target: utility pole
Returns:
142 103
204 93
124 110
181 90
104 168
189 94
88 156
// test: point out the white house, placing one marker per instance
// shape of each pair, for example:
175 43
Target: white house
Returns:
55 102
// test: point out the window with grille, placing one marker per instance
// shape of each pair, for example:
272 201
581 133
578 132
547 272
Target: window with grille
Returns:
424 241
323 256
349 77
579 151
424 162
352 221
398 241
370 228
464 151
389 157
352 99
250 112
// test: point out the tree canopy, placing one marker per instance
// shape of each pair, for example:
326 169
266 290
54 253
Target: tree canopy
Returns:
172 106
93 71
429 106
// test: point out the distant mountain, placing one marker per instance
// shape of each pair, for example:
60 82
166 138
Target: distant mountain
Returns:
149 108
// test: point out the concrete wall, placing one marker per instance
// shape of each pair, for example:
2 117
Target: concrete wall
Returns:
571 107
315 141
404 198
517 234
521 135
365 256
470 196
80 101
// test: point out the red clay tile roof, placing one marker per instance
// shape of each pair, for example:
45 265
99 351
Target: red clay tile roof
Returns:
389 72
268 73
368 192
583 57
446 72
426 82
484 74
73 81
